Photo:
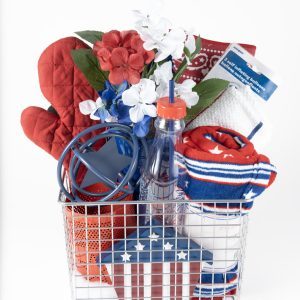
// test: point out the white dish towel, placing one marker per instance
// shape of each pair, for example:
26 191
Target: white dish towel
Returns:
238 109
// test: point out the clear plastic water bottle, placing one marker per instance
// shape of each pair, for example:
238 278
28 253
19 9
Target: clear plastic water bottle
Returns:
159 180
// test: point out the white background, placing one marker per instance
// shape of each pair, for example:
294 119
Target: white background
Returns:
33 264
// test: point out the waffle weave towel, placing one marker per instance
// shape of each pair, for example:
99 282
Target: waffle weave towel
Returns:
238 109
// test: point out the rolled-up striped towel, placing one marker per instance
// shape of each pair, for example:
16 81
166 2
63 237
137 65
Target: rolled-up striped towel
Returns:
219 163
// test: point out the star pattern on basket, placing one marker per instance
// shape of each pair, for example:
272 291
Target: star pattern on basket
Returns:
182 255
126 257
154 242
153 237
139 247
168 246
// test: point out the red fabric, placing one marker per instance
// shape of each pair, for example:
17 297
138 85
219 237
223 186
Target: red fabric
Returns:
64 86
137 281
209 54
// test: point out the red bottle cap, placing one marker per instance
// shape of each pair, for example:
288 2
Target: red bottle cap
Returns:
173 111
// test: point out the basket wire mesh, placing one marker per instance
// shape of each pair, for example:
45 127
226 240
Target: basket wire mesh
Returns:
191 250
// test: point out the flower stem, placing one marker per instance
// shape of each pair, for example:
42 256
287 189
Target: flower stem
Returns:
180 70
151 70
144 74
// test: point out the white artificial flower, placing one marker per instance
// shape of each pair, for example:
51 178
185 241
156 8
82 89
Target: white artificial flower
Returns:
163 74
151 28
141 97
90 107
185 92
150 15
157 33
171 44
190 42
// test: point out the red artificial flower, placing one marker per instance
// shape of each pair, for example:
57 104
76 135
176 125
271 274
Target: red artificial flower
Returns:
123 55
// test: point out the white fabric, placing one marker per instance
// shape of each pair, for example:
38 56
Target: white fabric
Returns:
238 109
219 234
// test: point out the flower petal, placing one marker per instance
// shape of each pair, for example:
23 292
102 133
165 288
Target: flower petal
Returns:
136 61
87 107
147 91
99 102
136 43
187 84
149 45
104 56
127 36
102 113
97 46
119 56
136 113
107 96
131 96
149 110
149 56
94 115
190 43
162 90
190 98
133 76
123 113
117 75
122 87
111 39
160 55
141 129
163 74
173 43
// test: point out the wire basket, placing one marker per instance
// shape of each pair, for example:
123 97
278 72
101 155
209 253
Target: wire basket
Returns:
190 250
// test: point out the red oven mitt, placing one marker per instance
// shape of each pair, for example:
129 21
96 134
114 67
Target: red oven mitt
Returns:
209 54
64 86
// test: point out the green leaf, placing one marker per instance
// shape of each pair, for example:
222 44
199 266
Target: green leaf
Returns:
187 52
208 90
88 64
91 36
198 45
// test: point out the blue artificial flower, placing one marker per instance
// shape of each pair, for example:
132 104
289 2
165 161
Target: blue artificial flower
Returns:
112 93
123 113
114 108
141 129
111 96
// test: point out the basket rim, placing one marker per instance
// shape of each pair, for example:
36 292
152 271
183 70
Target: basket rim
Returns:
62 200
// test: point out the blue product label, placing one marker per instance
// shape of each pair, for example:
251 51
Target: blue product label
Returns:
239 68
124 148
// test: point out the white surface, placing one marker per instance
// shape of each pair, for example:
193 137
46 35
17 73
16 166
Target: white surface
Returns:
33 256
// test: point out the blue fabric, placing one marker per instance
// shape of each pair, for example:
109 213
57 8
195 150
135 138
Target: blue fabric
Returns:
208 277
206 292
217 284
